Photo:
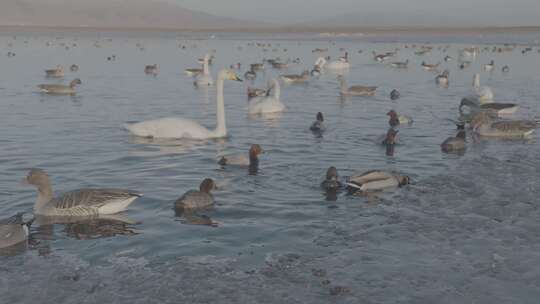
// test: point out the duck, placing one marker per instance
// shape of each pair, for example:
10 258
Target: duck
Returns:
197 199
448 58
318 124
257 66
85 202
269 103
380 57
400 65
204 79
443 79
173 127
457 143
13 230
316 71
376 180
294 78
331 182
74 68
241 160
341 64
356 90
394 95
251 74
490 66
484 124
482 94
59 89
395 119
505 69
429 67
255 92
279 65
390 138
57 73
499 108
151 69
193 72
464 64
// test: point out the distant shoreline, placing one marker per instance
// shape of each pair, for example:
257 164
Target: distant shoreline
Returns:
283 30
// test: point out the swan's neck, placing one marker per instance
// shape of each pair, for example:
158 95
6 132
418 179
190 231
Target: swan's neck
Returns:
277 91
45 195
476 81
206 70
221 129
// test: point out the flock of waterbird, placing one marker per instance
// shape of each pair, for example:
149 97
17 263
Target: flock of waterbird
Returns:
479 110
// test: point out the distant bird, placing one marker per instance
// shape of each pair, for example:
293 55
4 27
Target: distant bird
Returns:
484 124
457 143
151 70
395 119
331 181
356 90
318 124
197 199
505 69
429 67
294 78
400 65
376 180
74 68
443 79
241 160
57 73
394 95
490 66
59 89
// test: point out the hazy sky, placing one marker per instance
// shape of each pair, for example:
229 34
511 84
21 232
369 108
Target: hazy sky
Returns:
289 11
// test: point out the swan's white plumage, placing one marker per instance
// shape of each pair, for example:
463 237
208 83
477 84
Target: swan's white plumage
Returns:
267 104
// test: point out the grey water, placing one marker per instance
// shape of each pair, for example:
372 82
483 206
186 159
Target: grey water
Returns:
465 231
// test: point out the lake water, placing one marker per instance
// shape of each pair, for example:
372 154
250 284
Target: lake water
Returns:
465 231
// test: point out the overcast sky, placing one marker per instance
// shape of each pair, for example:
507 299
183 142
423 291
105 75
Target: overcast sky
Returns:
289 11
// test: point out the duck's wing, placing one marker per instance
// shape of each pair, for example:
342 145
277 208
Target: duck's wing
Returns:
370 176
497 106
515 125
92 198
53 87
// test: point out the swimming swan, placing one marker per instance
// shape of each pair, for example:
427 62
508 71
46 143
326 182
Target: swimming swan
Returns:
269 103
173 127
204 79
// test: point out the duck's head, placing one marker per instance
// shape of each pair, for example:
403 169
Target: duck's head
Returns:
255 151
229 75
207 185
320 116
37 177
392 114
331 174
403 180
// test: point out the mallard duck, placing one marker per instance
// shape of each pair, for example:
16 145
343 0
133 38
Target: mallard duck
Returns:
376 180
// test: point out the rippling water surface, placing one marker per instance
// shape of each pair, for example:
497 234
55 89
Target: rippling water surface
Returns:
466 230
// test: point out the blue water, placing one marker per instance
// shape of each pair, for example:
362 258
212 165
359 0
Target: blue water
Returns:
466 230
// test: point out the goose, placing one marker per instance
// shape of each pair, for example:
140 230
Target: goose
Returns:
269 103
204 79
482 94
490 66
457 143
82 202
13 230
173 127
395 119
484 124
498 108
443 79
74 68
356 90
400 65
197 199
318 124
151 70
331 181
294 78
57 73
255 92
241 160
341 64
377 180
394 95
59 89
429 67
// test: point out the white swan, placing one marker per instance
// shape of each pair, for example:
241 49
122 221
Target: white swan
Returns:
268 103
173 127
341 64
481 94
205 79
